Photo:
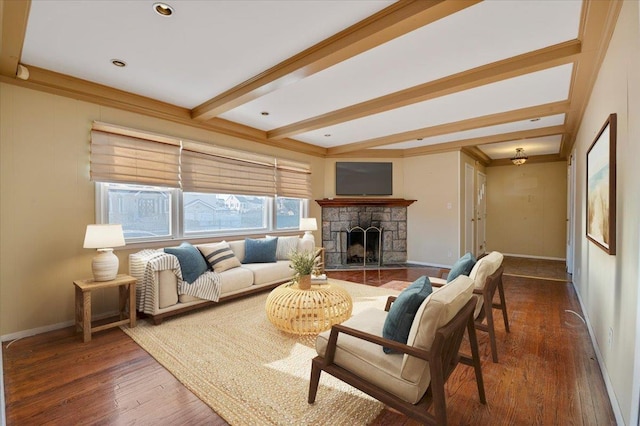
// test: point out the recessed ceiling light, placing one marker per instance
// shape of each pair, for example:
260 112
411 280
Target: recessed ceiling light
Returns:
163 9
535 119
119 63
265 113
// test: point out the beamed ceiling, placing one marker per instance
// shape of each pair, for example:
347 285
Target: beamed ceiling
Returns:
329 78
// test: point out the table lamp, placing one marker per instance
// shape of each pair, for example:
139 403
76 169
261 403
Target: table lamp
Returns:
308 224
104 238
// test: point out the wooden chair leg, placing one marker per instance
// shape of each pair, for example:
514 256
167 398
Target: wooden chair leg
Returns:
315 379
475 359
492 331
502 306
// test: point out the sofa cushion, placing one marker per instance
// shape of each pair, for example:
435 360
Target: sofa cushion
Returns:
191 261
403 310
262 250
462 266
219 256
285 246
238 249
267 273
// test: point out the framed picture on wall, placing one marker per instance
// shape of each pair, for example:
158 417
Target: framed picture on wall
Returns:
601 188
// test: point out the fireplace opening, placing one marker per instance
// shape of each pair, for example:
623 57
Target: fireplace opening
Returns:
362 246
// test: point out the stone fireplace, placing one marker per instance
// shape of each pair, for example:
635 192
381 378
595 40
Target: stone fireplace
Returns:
364 232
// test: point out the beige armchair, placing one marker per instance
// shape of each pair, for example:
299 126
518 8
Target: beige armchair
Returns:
487 278
413 378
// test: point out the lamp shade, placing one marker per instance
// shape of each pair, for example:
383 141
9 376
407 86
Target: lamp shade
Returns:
308 224
103 236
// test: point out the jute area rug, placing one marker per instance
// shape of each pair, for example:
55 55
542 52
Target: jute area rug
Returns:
250 373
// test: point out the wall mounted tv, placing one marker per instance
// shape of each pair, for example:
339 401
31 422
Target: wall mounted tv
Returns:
364 178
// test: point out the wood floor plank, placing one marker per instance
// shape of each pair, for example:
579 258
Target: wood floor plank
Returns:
547 374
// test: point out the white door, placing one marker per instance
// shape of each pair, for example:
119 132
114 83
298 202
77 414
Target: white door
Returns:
571 188
481 218
469 208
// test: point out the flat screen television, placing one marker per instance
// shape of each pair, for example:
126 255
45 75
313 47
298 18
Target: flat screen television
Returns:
364 178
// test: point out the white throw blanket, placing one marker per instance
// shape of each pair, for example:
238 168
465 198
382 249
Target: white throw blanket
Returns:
144 265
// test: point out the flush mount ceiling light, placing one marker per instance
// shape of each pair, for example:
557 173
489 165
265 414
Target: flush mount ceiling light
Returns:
119 63
520 158
163 9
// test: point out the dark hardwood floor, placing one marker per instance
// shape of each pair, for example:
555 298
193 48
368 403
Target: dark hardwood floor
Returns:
547 374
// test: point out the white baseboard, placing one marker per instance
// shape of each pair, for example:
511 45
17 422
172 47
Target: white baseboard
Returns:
434 265
47 328
530 256
605 375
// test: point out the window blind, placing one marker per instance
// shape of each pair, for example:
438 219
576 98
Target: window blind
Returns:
214 169
293 179
126 156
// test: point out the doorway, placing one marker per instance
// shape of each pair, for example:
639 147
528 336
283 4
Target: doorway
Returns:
469 208
481 218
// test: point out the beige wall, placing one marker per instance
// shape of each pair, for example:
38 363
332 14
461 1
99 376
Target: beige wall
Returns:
433 180
527 209
46 201
608 285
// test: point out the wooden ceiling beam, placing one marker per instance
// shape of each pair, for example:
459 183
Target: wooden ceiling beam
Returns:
538 60
13 20
398 19
597 24
485 140
477 154
83 90
458 126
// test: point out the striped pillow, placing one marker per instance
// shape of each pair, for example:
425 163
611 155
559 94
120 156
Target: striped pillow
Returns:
219 256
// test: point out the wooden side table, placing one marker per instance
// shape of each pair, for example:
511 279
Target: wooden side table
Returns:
127 290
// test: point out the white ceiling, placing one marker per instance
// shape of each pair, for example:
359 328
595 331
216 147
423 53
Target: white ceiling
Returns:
208 48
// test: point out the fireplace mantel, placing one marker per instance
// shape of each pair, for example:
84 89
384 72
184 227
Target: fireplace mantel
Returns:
348 202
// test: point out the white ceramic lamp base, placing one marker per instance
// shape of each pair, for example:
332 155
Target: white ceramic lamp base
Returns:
308 236
105 265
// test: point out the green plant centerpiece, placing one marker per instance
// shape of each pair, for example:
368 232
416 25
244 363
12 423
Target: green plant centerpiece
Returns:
304 263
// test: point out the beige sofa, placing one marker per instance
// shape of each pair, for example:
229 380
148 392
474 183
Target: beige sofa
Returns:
162 295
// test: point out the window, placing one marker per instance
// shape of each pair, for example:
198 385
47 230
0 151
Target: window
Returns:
160 187
143 211
211 213
288 212
151 213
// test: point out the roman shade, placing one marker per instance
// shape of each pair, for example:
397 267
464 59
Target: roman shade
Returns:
215 169
293 179
128 156
123 155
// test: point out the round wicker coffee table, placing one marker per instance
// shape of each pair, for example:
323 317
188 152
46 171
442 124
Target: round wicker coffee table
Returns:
308 311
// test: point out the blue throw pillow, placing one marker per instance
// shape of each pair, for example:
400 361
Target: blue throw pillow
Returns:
261 250
191 261
463 266
403 310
